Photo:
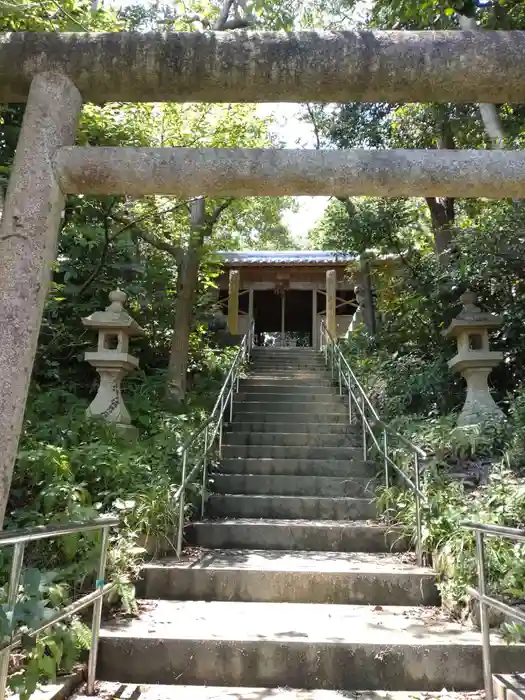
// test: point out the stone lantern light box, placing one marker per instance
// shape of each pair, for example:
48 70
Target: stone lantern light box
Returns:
111 359
474 359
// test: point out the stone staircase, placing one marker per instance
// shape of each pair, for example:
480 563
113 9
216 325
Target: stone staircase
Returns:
290 583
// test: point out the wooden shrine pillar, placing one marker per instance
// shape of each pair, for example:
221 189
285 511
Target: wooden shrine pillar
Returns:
315 320
233 302
331 290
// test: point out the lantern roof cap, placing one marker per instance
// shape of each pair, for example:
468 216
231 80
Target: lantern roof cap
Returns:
471 317
114 317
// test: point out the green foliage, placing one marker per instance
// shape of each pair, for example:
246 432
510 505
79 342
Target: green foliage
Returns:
37 602
365 223
70 469
449 503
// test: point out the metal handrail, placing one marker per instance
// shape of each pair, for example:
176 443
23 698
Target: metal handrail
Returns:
359 402
487 601
18 539
223 404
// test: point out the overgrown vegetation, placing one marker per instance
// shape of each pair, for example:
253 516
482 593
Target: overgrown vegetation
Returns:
473 473
72 469
69 469
442 246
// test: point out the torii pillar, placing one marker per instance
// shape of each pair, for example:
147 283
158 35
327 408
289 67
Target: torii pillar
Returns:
28 242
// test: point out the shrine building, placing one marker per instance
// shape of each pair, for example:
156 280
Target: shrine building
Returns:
288 294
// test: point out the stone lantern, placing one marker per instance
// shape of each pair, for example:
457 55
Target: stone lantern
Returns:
111 360
358 318
474 359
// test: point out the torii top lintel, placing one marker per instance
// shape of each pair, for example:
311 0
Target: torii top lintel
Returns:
391 66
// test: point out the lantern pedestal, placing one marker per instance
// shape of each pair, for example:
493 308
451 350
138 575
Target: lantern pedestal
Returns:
108 404
479 405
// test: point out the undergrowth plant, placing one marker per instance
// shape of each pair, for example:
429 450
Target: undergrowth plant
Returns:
73 469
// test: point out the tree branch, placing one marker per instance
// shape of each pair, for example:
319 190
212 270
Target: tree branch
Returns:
348 205
70 17
175 251
104 254
214 217
223 16
315 125
238 23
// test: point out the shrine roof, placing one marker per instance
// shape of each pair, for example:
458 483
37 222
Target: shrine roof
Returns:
286 257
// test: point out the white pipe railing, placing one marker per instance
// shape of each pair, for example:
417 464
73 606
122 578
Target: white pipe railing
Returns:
486 601
18 539
360 406
199 447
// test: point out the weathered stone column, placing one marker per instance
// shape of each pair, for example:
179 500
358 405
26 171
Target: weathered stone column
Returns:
358 318
28 239
331 290
233 302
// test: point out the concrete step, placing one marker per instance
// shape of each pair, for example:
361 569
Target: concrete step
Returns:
292 440
288 366
124 691
270 380
288 387
284 452
271 408
309 426
280 397
293 507
308 535
296 373
308 350
274 375
350 468
292 485
291 577
244 415
298 645
508 686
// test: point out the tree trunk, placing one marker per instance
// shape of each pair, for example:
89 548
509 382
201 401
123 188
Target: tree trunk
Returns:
489 113
186 293
442 208
442 219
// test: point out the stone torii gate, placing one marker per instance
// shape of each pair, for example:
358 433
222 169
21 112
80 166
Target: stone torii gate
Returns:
55 73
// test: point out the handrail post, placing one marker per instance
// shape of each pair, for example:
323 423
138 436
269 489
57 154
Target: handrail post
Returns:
339 372
182 504
484 624
387 472
12 594
221 414
97 613
419 529
363 427
220 435
350 416
204 470
385 450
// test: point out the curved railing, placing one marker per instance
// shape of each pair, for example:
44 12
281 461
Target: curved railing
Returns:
196 451
487 601
18 539
359 404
